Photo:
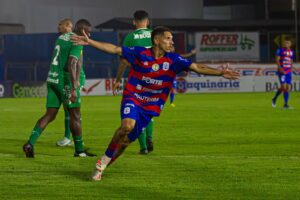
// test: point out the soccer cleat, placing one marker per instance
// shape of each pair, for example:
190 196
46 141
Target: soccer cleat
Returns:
273 103
144 152
64 142
287 107
84 154
28 150
97 174
149 145
173 105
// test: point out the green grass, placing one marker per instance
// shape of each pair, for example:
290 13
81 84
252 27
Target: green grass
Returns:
211 146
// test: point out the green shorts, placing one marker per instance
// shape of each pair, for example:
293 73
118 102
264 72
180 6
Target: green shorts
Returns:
67 93
54 95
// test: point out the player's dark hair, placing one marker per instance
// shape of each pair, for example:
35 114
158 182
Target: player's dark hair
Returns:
159 30
288 38
80 25
140 15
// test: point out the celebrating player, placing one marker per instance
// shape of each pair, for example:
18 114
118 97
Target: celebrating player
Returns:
140 37
63 87
284 61
150 80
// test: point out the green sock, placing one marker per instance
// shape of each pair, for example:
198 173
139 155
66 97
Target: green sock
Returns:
35 134
149 130
142 140
67 125
78 143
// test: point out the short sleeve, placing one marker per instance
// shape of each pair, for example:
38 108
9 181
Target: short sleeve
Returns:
76 51
129 54
127 40
181 64
278 52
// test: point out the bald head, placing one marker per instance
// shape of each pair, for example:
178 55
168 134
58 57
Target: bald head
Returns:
65 26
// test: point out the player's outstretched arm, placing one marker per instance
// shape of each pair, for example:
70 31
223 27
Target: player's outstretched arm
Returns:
121 69
103 46
224 71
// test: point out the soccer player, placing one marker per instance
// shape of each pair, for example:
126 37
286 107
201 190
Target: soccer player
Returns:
140 37
148 86
66 26
284 61
63 87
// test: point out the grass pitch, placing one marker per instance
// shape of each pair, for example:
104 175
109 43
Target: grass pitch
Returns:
210 146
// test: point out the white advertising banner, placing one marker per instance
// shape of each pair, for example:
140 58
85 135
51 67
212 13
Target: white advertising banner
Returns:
221 46
254 78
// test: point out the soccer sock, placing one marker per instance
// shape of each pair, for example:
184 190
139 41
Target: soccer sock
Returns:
142 140
149 130
286 97
78 143
67 125
35 134
111 149
172 96
277 94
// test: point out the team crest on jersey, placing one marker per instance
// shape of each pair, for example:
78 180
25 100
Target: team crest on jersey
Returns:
146 63
166 66
155 67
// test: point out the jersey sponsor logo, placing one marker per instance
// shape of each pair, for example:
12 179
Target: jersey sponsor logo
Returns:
145 98
166 66
152 81
51 80
142 35
140 87
53 74
155 67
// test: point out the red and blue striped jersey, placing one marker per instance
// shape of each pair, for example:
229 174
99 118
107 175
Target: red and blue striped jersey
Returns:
286 57
150 80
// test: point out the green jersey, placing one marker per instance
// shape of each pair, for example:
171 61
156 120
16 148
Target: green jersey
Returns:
64 48
140 37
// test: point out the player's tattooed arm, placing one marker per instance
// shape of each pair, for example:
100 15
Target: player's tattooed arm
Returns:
224 71
103 46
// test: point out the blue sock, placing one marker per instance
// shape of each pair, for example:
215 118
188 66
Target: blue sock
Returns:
286 97
172 96
277 94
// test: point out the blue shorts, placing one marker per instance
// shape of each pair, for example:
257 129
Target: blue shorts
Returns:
132 111
285 78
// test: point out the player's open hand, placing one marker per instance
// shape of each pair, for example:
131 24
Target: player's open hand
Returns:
81 40
73 96
116 87
229 73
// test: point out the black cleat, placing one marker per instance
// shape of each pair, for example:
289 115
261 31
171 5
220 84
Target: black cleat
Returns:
144 152
84 154
28 150
149 145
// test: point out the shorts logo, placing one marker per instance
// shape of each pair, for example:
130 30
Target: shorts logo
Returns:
166 66
126 110
155 67
283 78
